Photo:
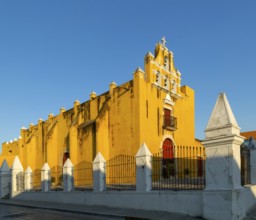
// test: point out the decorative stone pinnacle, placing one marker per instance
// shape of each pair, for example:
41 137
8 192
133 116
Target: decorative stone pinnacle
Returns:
5 167
149 54
93 95
16 165
113 83
77 102
68 164
28 170
139 70
62 109
222 114
143 151
99 158
222 120
45 167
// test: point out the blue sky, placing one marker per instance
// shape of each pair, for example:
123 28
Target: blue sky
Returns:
54 52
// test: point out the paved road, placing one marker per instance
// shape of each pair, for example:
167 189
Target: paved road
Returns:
16 212
15 209
47 210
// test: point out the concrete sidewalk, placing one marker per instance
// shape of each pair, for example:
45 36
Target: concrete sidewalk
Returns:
115 213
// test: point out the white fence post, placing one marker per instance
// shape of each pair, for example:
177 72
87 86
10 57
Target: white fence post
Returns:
99 173
68 176
17 177
143 169
223 161
28 179
45 178
5 180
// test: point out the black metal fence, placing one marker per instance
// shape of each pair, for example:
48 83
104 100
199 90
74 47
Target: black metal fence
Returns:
121 173
187 173
245 166
20 181
173 169
56 178
36 180
83 176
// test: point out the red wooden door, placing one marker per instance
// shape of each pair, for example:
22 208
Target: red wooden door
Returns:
168 159
168 149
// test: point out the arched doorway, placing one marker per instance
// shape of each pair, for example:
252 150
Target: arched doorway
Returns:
168 158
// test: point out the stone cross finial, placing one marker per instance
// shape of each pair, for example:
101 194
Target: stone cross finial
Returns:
163 41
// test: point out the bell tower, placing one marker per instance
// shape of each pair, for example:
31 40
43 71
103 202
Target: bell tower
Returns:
160 69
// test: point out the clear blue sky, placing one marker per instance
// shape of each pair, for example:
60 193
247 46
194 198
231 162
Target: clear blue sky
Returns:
54 52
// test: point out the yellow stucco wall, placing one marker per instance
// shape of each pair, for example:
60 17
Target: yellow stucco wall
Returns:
116 122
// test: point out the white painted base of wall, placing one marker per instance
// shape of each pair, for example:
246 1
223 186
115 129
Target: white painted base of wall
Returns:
228 204
211 204
183 202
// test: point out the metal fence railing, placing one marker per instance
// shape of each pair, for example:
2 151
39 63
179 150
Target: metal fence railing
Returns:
245 165
36 180
20 181
121 173
186 173
83 176
56 178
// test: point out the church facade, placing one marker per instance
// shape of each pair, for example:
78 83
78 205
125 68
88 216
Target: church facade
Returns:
153 108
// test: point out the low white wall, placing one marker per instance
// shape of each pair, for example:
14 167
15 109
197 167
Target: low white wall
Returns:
246 198
183 202
189 203
228 204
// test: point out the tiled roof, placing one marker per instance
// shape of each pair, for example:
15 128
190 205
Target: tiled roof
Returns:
249 134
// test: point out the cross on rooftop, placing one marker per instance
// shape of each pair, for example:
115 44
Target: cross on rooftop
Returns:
163 41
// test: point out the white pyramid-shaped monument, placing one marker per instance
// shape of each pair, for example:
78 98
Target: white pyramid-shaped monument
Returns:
222 120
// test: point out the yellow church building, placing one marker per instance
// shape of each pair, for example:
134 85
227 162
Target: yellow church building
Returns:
153 108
